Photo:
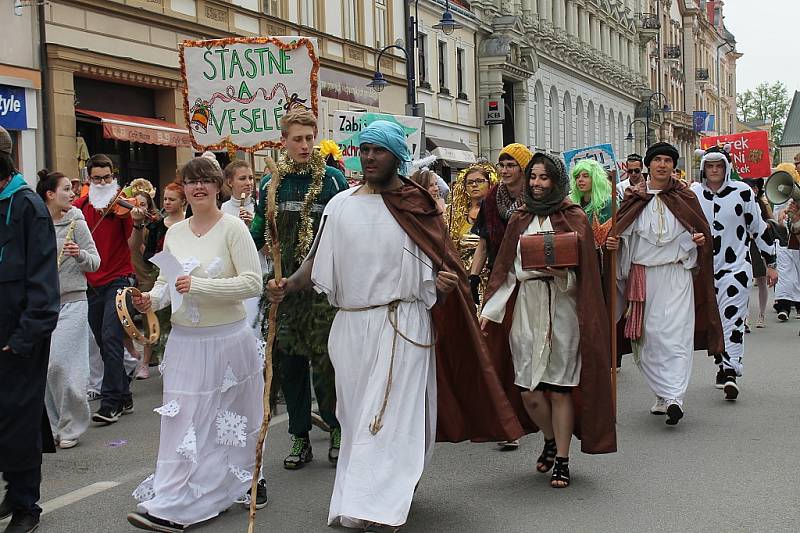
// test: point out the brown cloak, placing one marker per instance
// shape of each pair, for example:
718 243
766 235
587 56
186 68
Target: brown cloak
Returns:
683 203
594 410
471 402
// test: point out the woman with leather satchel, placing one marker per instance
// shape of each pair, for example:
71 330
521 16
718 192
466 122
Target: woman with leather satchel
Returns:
544 308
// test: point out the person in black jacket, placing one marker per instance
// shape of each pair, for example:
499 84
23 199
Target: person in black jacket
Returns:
29 285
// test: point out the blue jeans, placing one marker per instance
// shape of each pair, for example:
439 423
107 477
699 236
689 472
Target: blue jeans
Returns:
108 333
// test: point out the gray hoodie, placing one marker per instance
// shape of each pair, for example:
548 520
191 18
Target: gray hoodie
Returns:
71 273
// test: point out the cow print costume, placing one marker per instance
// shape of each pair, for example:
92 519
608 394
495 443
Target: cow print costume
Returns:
735 218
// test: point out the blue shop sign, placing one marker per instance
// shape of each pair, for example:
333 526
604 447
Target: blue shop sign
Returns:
13 114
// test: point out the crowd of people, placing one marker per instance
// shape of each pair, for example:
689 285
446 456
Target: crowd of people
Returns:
417 311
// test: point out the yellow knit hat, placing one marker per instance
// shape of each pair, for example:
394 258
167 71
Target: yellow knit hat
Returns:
519 152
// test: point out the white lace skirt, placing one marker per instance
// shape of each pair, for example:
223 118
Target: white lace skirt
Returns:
212 411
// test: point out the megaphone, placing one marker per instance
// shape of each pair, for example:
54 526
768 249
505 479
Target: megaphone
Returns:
781 187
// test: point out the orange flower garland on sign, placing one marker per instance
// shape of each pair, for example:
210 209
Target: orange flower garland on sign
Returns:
197 114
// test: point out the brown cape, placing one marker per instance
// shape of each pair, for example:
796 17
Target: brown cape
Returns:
683 203
594 410
471 402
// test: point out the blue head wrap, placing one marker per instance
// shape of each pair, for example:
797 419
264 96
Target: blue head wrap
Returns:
392 137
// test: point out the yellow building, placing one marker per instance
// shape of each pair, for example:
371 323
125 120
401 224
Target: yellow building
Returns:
114 77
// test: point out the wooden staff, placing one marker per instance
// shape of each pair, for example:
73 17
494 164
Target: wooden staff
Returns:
272 327
67 240
612 301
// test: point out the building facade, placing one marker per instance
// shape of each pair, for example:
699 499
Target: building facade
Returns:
691 66
21 86
568 71
446 77
115 79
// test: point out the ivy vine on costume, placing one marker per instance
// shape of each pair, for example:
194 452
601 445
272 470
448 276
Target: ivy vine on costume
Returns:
305 318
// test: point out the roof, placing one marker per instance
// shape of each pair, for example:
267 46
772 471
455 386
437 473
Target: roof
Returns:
791 129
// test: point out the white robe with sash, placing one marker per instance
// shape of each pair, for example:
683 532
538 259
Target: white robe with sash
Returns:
365 261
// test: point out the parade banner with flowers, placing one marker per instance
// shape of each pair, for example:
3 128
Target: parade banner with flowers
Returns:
347 126
750 152
237 89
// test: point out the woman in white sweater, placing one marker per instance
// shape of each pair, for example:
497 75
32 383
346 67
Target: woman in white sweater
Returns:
68 369
212 369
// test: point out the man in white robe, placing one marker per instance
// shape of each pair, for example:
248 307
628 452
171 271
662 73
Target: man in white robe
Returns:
381 341
657 252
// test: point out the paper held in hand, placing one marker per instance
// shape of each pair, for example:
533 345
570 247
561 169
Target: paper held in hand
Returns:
170 268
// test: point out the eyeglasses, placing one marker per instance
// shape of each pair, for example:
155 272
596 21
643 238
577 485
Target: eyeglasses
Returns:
475 183
200 181
108 178
634 171
510 166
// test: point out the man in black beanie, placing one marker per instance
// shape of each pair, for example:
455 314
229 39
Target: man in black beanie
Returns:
662 236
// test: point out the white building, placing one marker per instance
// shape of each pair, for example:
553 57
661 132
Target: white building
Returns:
568 72
446 83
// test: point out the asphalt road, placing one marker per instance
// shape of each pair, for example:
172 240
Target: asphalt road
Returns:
727 466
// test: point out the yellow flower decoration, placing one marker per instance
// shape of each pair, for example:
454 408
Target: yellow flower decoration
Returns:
328 147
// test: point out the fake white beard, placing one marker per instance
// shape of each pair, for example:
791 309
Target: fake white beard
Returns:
100 195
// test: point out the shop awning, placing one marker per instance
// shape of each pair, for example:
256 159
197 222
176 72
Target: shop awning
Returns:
454 153
139 129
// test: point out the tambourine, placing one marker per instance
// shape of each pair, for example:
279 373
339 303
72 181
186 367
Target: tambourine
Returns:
127 321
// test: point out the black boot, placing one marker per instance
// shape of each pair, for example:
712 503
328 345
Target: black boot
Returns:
22 523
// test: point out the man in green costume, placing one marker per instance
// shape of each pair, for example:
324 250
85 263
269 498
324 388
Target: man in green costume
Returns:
306 185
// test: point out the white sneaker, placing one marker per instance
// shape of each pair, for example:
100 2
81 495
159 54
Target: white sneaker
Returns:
660 407
760 323
66 444
142 373
783 316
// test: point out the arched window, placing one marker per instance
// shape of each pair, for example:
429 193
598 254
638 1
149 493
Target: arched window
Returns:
591 126
580 124
620 134
539 125
555 133
612 130
568 121
601 119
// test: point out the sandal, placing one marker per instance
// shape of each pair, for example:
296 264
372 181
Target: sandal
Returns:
560 477
545 461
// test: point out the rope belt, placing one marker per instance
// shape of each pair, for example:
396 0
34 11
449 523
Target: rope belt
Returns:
391 312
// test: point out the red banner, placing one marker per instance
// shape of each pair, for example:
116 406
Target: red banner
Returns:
750 152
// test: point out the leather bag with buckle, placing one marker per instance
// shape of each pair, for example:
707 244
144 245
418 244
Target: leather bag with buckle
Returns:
549 249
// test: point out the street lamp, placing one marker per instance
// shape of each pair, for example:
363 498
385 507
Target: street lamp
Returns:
630 137
649 113
378 82
447 25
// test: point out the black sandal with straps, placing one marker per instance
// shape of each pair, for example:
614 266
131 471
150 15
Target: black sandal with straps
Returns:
560 477
545 461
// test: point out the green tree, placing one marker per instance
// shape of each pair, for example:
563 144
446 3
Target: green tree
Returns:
768 101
